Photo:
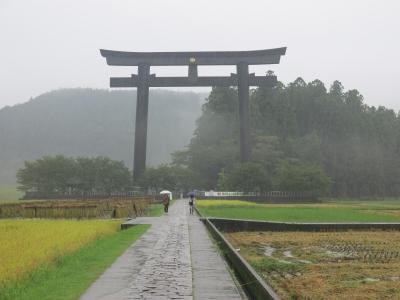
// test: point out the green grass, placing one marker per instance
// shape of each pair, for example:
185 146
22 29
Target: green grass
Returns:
329 212
72 274
267 264
156 210
9 193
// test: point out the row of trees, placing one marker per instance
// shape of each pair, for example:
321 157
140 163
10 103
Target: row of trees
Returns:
60 175
246 177
251 177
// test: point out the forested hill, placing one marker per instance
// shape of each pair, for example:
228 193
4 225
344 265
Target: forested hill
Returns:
87 122
356 145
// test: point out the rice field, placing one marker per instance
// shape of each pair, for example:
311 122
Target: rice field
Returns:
341 211
28 244
325 265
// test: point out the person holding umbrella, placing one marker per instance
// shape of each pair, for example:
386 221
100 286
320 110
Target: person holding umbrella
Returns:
166 198
166 202
191 202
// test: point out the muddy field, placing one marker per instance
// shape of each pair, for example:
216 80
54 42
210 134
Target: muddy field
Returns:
325 265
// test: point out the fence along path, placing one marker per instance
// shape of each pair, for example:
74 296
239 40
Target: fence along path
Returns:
174 259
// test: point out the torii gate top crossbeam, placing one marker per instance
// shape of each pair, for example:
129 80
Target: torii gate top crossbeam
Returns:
257 57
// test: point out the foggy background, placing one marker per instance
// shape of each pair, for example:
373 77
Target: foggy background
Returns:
47 44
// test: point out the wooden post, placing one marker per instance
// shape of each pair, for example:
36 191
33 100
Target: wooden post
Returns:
244 111
142 112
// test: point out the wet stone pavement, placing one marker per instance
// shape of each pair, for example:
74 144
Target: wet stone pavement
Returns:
174 259
167 272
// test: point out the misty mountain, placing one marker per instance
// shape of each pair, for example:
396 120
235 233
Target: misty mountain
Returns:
88 122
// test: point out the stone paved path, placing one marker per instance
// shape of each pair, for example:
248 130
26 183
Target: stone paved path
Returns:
174 259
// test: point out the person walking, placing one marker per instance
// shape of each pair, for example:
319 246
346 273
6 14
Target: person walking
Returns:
166 202
191 203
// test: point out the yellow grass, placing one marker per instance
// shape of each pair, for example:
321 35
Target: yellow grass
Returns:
27 244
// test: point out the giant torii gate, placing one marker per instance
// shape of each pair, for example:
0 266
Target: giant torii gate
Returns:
144 80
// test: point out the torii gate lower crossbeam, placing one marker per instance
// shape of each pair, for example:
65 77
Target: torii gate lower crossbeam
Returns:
144 80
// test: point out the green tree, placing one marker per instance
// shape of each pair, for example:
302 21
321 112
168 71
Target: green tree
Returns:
185 178
60 175
159 178
222 184
110 175
50 174
245 177
308 178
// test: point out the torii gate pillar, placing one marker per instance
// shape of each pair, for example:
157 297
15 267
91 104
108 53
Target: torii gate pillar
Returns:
244 111
142 112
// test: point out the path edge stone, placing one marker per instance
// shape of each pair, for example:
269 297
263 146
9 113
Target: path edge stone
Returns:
251 282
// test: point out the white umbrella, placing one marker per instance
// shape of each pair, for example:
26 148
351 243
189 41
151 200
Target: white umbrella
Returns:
166 192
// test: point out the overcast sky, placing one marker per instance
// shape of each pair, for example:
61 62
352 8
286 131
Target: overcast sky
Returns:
51 44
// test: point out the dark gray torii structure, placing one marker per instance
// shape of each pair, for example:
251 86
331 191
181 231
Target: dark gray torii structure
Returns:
144 80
